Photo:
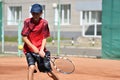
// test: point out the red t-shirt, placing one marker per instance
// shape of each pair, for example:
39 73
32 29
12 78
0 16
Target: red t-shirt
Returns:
35 33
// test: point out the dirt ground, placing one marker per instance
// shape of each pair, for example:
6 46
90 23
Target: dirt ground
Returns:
15 68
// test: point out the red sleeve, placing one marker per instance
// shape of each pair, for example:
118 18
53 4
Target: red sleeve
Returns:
46 32
25 30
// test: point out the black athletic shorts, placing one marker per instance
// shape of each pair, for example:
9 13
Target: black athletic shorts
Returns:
32 58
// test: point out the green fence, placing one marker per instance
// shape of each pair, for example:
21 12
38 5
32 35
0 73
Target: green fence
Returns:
0 21
111 29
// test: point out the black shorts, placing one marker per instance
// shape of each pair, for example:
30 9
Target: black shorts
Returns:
32 58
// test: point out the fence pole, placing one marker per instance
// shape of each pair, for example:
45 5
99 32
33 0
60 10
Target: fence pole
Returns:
0 29
58 37
2 24
19 38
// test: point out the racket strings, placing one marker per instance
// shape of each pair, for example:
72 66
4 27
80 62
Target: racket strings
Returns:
64 65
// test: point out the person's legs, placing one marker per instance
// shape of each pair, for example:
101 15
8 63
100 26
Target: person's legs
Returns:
31 66
31 69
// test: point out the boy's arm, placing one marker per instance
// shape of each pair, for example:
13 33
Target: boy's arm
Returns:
35 49
41 52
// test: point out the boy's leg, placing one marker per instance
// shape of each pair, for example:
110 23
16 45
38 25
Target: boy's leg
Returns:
31 72
31 66
53 75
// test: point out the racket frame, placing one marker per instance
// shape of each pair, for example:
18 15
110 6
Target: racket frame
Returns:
53 58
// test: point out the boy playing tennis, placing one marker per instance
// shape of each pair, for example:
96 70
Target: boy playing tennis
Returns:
34 33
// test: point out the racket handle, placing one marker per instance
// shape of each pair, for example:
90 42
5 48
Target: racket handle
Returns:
54 76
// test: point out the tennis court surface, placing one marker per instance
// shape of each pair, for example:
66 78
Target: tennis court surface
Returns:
15 68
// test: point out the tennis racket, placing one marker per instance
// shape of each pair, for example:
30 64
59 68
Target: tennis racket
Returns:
62 64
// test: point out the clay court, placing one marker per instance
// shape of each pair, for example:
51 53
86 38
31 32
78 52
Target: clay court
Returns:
15 68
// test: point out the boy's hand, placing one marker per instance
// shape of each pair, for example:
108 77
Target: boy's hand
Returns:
35 49
42 53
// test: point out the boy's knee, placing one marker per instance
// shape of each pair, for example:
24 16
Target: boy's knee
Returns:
32 67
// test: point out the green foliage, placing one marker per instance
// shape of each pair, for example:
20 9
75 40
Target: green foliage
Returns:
49 39
11 39
15 38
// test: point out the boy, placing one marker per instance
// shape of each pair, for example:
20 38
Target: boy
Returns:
34 33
